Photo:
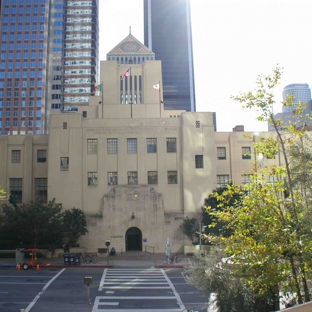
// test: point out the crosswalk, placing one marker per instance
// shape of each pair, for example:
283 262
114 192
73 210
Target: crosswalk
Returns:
137 290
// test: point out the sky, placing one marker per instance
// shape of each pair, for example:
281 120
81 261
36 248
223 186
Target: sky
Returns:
234 41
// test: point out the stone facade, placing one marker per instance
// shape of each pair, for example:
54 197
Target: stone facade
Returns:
136 170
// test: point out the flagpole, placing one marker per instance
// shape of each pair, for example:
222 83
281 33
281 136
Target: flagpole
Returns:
159 100
131 95
102 98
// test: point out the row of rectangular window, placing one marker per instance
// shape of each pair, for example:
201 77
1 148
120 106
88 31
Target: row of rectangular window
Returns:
112 145
23 93
132 178
15 113
246 153
221 153
18 55
26 74
17 84
13 2
16 156
16 189
64 162
23 123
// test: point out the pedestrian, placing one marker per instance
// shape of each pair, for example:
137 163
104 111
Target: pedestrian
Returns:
113 252
53 249
168 251
67 248
64 247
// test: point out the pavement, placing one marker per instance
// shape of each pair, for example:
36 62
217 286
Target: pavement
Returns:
126 259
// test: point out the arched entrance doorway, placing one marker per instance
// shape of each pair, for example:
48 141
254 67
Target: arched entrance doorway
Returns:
133 239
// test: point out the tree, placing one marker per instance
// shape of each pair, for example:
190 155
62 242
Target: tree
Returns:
75 224
2 194
189 227
33 223
271 227
209 273
213 202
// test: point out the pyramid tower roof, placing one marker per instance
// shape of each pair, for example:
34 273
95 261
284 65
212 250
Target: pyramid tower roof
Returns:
130 46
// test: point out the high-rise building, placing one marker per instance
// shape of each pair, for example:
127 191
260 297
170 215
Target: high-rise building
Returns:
49 60
301 93
167 32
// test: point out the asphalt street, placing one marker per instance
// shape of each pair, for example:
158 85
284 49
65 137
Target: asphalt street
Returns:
112 289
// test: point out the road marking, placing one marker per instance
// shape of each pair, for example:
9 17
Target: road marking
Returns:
109 292
43 290
97 304
110 303
4 292
16 283
134 287
25 276
135 280
136 283
116 279
102 280
135 297
180 303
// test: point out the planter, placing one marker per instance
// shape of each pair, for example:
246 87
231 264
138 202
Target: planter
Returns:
195 249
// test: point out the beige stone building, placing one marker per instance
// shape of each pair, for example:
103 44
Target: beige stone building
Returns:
135 169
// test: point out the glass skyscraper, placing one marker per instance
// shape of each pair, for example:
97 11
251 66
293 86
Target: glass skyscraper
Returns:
301 93
167 32
49 60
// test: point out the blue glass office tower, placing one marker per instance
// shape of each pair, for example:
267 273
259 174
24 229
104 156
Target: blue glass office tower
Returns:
301 93
167 32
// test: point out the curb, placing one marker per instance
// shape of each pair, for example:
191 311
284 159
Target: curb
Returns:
99 266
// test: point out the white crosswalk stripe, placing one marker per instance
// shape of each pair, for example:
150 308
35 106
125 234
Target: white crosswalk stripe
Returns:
130 290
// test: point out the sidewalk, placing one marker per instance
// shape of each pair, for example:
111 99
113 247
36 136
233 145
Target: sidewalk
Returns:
138 259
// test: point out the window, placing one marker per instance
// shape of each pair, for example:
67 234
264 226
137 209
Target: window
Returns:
41 188
92 146
131 146
222 180
132 178
16 190
221 153
246 179
151 145
112 178
171 145
64 163
92 178
172 177
199 161
246 152
111 146
41 156
16 156
152 177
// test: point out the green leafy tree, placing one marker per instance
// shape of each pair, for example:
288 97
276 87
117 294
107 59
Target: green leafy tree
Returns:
75 224
271 239
33 223
213 202
189 227
209 273
2 194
